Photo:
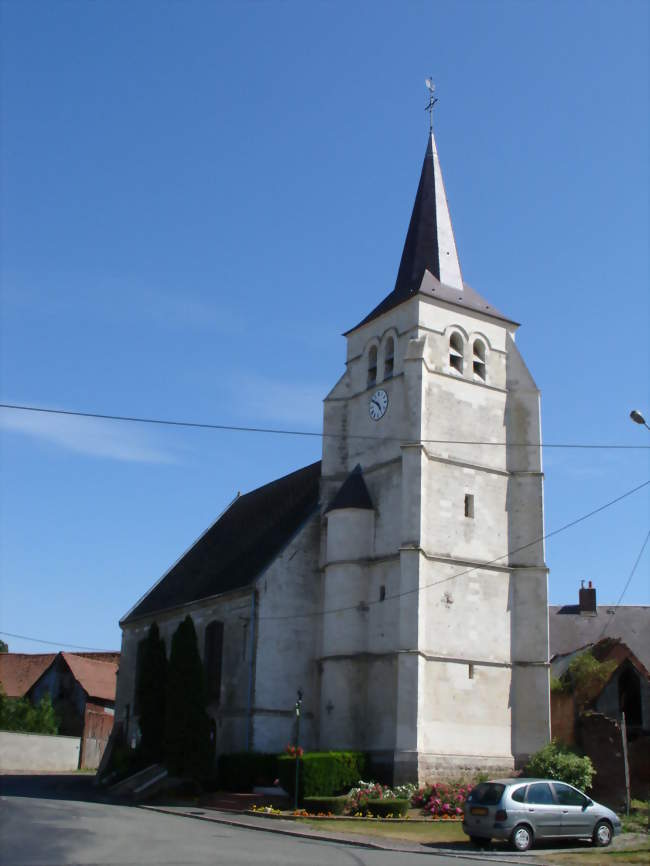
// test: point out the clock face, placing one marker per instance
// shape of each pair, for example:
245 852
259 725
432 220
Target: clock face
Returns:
378 404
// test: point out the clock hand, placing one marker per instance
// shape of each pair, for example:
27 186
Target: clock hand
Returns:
376 404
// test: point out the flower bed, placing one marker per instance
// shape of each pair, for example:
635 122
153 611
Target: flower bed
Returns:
442 799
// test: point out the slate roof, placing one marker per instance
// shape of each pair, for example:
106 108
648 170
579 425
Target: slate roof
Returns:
97 678
570 630
19 671
239 545
353 493
431 287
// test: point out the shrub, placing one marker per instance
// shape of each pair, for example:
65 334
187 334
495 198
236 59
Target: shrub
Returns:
240 771
396 807
321 773
557 761
18 714
326 805
442 799
586 676
188 750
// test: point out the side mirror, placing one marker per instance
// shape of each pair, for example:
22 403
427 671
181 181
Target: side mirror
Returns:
588 804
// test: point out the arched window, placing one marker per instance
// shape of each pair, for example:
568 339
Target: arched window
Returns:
479 359
372 365
389 358
212 656
456 352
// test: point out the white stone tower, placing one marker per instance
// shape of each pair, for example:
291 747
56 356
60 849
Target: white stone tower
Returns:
434 645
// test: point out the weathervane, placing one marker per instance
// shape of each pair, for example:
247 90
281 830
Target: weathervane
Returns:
431 87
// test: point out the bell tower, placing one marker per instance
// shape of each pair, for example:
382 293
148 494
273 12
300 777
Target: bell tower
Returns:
434 644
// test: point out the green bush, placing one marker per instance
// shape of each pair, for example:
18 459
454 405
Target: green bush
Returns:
557 761
395 806
240 771
18 714
585 677
322 774
335 805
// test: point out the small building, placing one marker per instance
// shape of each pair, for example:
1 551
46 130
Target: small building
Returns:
81 687
19 671
589 715
572 626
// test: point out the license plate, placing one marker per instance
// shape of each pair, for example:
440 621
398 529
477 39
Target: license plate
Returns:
478 810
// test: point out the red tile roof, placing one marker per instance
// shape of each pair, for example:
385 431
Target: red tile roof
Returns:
97 678
19 671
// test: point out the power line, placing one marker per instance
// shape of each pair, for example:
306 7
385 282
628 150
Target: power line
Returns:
548 535
627 583
56 643
198 425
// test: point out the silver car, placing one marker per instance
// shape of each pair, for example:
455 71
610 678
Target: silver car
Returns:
525 810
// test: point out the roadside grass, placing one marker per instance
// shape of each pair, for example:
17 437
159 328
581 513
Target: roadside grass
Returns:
634 856
638 821
432 832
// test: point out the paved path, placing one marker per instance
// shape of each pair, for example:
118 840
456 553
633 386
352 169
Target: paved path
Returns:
60 821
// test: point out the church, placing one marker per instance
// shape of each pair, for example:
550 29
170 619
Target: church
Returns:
399 583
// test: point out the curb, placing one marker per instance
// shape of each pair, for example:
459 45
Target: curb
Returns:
338 840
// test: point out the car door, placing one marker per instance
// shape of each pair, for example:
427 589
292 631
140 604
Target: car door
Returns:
576 818
543 811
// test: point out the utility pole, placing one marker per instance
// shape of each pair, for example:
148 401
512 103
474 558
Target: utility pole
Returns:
625 764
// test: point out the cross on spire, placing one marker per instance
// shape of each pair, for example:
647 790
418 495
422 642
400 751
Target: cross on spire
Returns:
431 87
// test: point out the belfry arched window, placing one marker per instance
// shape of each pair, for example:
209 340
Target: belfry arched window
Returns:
456 352
478 360
389 358
372 365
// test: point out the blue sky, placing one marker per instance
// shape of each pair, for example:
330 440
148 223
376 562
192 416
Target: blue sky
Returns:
198 198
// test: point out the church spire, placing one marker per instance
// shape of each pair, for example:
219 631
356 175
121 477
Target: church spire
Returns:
429 264
430 244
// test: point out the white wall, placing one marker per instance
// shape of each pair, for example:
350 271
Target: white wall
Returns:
38 752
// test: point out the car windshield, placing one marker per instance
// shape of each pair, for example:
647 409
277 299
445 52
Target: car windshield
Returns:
487 793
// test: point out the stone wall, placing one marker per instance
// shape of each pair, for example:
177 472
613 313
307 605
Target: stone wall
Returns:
37 752
600 738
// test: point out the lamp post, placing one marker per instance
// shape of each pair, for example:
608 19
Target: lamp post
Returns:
638 418
298 706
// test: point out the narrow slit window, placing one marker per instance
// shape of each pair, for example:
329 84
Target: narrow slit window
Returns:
372 365
470 671
456 352
389 358
469 505
479 359
382 593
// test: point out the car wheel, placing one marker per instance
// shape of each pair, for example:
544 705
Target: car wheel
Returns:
522 837
602 834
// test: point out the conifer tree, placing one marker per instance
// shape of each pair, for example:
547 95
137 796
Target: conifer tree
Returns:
188 751
151 695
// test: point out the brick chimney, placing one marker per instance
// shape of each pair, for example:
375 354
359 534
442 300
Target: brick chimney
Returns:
587 599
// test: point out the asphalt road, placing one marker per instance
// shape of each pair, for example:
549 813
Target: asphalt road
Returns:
58 821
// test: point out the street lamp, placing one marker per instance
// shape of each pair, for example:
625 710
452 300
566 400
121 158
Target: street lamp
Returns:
298 706
638 418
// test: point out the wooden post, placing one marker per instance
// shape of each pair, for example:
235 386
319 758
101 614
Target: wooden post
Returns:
625 764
